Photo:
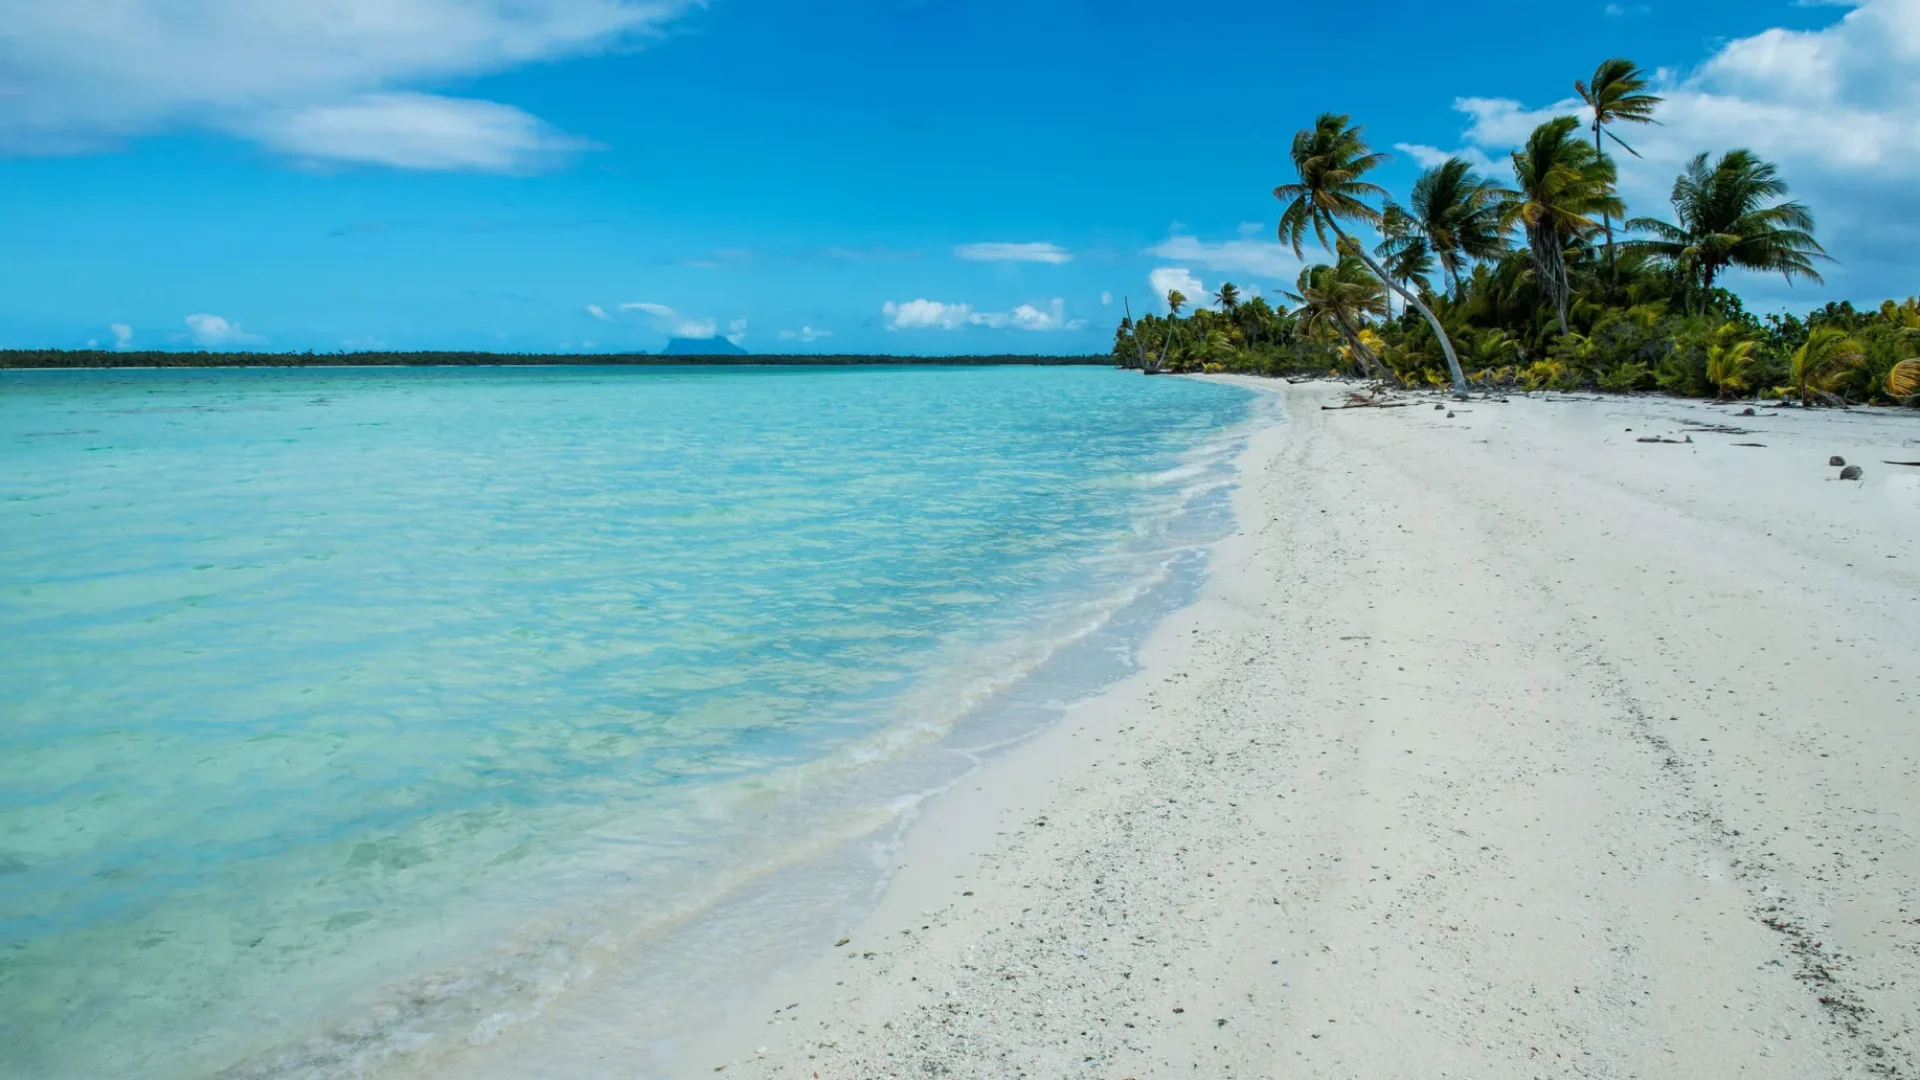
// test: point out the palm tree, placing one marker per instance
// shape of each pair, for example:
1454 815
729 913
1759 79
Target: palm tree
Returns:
1175 301
1411 265
1493 349
1253 317
1728 362
1729 217
1218 347
1340 299
1828 352
1457 216
1562 181
1616 97
1332 160
1228 297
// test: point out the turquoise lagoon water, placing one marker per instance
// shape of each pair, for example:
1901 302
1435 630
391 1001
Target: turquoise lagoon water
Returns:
346 713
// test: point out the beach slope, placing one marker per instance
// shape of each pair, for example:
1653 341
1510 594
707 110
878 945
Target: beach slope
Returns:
1499 744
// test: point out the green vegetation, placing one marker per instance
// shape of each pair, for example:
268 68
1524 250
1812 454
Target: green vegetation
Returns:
1540 280
96 358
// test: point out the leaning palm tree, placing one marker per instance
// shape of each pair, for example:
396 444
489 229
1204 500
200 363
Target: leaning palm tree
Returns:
1228 297
1616 97
1339 300
1456 214
1563 182
1332 160
1729 216
1828 353
1175 301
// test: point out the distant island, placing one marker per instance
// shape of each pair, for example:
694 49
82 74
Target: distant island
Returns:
682 346
102 358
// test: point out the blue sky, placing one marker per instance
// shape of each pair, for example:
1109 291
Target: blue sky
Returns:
902 176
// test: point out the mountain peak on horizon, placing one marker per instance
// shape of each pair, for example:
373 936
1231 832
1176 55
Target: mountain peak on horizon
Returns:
716 346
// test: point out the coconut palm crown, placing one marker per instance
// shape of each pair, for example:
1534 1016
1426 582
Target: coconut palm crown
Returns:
1562 184
1455 215
1617 96
1730 215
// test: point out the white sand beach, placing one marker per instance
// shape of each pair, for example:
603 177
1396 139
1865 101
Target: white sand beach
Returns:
1498 745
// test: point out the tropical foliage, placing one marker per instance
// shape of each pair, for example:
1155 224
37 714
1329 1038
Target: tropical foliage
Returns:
1537 278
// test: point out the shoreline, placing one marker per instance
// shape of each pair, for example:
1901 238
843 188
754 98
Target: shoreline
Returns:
729 940
1399 796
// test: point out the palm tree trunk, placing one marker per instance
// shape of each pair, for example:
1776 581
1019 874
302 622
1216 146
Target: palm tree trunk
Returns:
1368 362
1706 287
1458 377
1606 218
1139 347
1166 344
1550 267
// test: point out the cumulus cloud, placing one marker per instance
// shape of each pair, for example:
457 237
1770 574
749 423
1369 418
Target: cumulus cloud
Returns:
1106 298
1165 278
1838 108
934 315
925 315
1428 157
700 329
122 335
1028 317
804 334
1030 253
737 331
321 79
212 331
1243 255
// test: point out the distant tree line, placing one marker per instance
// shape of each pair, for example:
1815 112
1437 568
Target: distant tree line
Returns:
102 358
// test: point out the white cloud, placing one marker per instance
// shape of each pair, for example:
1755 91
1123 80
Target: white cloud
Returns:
318 78
1166 278
418 131
934 315
804 334
122 335
700 329
1246 255
598 312
1033 253
1428 157
737 331
212 331
1106 298
661 311
1028 317
925 315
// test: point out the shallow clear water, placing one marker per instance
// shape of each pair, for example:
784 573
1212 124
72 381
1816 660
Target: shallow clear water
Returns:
322 683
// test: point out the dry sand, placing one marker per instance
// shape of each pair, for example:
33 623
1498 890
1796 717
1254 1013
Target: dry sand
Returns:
1500 745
